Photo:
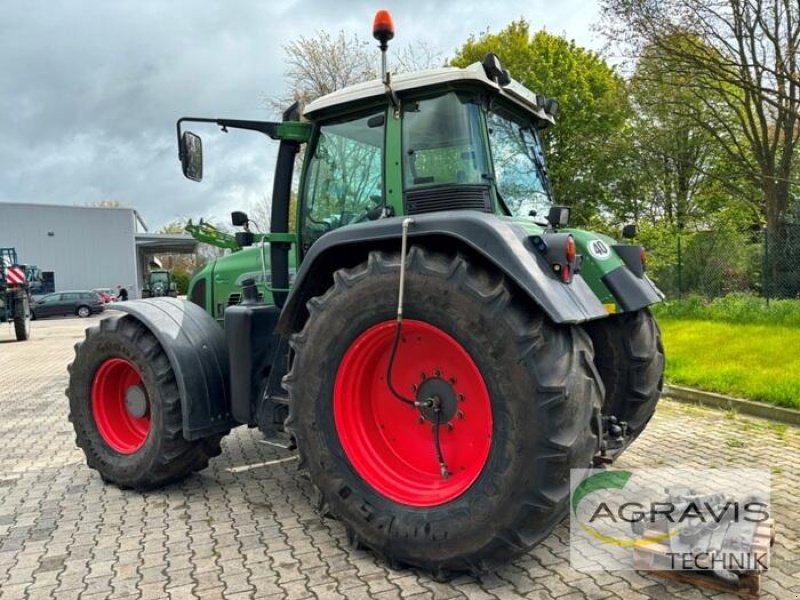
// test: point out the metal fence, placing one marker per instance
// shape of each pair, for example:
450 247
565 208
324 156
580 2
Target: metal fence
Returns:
717 263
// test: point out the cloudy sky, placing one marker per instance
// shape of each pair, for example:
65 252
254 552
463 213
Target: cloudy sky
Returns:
90 90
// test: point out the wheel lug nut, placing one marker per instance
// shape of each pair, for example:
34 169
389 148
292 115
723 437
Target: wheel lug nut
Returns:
413 387
421 420
423 376
437 373
461 397
450 427
452 381
460 414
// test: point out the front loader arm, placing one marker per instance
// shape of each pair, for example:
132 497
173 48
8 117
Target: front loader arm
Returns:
208 234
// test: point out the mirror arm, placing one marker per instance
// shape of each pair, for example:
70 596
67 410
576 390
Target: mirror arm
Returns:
269 128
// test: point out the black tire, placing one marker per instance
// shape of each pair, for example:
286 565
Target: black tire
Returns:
83 311
166 455
22 318
630 358
545 398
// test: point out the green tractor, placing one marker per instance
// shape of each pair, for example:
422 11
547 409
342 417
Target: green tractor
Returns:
159 283
437 342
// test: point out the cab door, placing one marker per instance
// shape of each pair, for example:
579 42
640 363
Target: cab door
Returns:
344 181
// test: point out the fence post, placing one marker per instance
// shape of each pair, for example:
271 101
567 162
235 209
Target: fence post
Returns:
765 276
680 268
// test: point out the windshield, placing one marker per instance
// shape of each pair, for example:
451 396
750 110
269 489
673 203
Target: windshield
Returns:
519 167
159 277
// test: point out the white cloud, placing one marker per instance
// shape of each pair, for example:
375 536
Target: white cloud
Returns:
90 91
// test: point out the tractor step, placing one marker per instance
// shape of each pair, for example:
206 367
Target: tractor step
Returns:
279 440
284 400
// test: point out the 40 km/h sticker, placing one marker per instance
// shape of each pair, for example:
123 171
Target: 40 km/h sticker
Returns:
599 249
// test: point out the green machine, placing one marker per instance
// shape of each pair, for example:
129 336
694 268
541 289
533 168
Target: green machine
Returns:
437 342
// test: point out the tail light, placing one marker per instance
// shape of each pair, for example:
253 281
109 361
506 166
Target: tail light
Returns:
570 250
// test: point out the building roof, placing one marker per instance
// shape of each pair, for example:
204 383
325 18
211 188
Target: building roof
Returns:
166 243
474 73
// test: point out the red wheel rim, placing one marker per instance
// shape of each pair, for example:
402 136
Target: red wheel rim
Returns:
121 430
385 439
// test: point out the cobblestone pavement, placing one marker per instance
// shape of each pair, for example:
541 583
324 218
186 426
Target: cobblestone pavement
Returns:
246 528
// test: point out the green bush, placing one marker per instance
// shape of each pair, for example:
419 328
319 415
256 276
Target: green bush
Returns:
733 308
181 278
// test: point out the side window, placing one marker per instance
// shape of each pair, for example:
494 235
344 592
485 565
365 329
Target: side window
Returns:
52 299
70 297
344 183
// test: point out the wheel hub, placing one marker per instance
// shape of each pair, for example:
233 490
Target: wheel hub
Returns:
136 401
437 400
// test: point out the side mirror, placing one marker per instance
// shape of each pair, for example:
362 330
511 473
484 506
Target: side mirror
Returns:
191 151
629 231
239 218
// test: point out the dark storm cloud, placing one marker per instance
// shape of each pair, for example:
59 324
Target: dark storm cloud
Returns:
89 91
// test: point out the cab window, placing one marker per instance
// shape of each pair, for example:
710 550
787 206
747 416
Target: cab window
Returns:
344 182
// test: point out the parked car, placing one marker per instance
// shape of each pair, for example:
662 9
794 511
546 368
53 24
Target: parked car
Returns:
81 302
106 295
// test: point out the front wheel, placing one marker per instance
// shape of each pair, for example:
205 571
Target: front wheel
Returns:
479 470
83 311
630 358
22 319
126 409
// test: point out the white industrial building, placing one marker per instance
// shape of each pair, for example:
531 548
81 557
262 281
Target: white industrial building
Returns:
78 247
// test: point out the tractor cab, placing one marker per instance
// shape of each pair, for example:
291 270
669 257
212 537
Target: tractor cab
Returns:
453 139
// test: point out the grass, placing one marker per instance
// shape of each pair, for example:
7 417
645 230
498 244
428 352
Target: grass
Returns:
734 308
745 357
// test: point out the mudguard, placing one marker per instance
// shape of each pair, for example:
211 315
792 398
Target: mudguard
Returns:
195 346
499 241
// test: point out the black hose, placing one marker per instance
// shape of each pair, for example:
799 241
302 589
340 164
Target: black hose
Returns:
390 366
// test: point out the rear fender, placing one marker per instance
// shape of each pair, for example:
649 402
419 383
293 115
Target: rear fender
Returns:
195 346
498 241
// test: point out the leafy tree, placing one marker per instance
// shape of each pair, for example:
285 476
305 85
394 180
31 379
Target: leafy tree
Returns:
676 171
740 61
583 148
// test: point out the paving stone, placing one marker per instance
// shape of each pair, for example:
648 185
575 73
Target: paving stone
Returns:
255 534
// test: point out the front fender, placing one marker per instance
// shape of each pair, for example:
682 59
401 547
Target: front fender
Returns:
195 346
498 241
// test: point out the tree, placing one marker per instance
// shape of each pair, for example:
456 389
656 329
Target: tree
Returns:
583 146
677 172
324 63
740 61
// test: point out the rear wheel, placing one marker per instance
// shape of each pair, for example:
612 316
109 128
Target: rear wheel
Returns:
22 318
126 410
630 358
517 399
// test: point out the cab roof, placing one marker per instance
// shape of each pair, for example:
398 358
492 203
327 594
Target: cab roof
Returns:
474 73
